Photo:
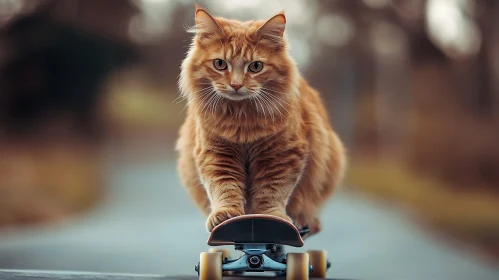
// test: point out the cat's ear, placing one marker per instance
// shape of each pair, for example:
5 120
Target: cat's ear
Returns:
274 27
205 23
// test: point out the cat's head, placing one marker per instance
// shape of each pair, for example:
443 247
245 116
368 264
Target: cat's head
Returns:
238 60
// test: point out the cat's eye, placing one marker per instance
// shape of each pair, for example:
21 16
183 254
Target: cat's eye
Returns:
255 67
220 64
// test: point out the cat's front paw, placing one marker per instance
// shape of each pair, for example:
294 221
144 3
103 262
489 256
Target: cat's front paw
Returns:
314 225
220 215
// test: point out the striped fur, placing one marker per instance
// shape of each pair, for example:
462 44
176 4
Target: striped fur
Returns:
266 149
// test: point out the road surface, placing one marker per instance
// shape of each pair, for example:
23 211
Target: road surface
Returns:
148 225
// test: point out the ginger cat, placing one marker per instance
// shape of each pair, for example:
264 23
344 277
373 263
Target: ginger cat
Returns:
256 138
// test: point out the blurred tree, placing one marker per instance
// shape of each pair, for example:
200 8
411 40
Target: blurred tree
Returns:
55 57
56 67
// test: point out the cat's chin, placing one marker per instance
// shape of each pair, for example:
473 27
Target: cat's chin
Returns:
236 97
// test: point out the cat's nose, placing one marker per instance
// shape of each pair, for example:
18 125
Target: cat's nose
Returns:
236 86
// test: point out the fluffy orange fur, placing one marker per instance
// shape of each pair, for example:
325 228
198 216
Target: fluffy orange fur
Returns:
256 138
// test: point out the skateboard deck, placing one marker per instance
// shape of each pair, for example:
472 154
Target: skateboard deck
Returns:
256 228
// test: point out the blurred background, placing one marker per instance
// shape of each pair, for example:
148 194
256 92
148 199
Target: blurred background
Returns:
89 116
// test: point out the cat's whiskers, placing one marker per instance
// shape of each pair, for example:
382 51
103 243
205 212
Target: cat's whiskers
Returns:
207 101
203 93
258 99
214 106
180 98
279 100
206 92
253 100
271 101
183 97
206 105
272 90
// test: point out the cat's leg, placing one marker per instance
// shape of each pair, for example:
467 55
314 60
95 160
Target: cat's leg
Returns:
324 172
186 166
222 173
275 170
190 180
304 203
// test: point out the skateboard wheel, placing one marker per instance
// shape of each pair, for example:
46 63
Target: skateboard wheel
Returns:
225 255
210 266
225 252
318 260
297 266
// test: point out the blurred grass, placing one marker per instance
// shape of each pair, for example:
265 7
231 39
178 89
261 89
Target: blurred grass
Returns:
131 101
43 182
139 106
463 212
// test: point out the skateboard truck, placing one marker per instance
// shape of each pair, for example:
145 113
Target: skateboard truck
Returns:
254 260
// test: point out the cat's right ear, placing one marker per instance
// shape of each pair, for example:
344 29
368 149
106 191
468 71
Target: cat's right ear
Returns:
206 25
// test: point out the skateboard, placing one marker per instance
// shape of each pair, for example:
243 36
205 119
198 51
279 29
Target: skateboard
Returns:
261 239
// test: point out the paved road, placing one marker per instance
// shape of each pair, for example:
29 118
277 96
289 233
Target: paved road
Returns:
64 275
148 225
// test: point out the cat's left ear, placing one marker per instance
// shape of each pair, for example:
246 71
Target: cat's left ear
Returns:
274 27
